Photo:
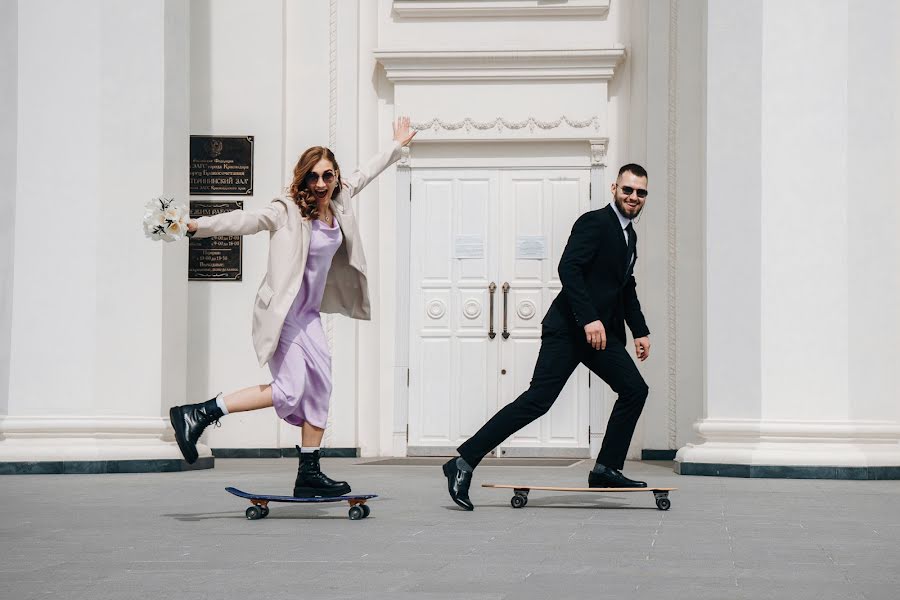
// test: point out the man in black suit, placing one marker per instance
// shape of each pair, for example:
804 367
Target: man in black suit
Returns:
585 324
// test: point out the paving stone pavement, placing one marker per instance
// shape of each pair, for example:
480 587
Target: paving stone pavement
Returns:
181 536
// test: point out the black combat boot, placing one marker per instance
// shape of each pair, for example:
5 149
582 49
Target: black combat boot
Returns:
189 422
312 482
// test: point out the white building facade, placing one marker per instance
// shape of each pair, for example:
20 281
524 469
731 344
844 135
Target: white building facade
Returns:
769 268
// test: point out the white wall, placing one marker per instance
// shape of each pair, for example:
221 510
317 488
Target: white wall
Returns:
802 254
107 160
9 23
237 88
97 328
873 170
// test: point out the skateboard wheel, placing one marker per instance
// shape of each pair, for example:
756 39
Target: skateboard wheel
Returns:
366 510
265 512
518 501
356 513
663 503
253 513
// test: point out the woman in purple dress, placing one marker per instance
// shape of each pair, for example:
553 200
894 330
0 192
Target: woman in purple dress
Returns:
315 265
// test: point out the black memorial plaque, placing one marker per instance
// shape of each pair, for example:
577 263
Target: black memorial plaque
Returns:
215 258
221 166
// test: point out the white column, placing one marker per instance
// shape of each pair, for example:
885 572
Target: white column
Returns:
802 266
97 344
8 127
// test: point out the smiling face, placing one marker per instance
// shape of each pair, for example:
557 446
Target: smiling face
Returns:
321 180
629 193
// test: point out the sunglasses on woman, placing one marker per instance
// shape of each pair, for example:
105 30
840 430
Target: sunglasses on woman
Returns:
312 178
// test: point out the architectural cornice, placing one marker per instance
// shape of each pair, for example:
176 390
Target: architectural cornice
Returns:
499 8
494 65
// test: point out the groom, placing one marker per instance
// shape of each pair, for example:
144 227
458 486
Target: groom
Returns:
585 324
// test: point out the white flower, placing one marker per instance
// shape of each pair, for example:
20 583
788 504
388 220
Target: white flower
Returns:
165 220
177 229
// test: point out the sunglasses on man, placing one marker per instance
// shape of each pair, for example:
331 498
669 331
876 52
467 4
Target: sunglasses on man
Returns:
628 190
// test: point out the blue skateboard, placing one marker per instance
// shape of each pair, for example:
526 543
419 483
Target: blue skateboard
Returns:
260 508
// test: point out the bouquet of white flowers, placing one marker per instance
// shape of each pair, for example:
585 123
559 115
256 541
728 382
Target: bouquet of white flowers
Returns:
165 220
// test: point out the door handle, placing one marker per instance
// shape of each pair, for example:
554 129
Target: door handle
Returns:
491 289
505 308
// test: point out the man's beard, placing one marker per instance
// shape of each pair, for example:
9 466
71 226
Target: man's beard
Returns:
624 209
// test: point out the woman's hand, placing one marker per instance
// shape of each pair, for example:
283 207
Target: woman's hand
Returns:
192 226
402 132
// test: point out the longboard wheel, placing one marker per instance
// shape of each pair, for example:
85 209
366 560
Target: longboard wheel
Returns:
356 513
265 512
253 513
663 503
518 501
366 510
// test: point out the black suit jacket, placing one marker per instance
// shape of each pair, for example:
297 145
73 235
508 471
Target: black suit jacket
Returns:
596 283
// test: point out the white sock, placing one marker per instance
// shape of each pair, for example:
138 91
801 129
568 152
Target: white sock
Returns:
308 449
221 404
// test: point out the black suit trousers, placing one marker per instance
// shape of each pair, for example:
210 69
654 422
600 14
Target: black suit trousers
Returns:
561 352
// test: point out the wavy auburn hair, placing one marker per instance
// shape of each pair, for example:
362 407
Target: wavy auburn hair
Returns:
305 201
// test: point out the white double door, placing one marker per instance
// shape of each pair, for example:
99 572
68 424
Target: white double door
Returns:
485 247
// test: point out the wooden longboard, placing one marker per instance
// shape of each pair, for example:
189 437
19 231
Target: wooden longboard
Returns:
520 492
260 508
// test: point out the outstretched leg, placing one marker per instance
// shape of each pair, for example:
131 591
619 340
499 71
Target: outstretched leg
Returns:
558 357
190 420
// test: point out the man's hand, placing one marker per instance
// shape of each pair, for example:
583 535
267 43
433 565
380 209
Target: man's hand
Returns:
642 348
596 335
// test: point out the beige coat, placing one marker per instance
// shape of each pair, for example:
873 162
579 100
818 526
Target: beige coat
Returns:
346 288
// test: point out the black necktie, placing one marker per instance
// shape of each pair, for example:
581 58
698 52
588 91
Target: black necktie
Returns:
632 242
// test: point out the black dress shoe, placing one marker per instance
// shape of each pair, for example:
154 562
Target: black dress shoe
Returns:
604 477
311 482
189 421
458 482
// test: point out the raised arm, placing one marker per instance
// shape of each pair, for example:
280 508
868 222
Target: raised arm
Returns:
363 175
241 222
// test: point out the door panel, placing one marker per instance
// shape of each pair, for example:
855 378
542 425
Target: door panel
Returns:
453 363
539 208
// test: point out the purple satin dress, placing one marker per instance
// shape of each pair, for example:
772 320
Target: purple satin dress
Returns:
301 365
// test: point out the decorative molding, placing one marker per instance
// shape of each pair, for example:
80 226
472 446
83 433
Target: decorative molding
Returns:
526 309
788 431
70 427
328 436
472 309
672 228
404 157
500 123
496 65
332 73
499 8
436 309
598 152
